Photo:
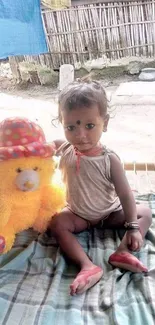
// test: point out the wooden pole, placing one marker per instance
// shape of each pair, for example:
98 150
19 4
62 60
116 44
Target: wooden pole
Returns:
15 68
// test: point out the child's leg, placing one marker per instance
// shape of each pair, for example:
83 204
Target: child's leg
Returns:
123 257
62 227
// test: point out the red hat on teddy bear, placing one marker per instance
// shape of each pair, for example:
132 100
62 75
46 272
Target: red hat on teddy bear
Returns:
20 137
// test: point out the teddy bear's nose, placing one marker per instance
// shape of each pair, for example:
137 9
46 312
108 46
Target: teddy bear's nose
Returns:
29 185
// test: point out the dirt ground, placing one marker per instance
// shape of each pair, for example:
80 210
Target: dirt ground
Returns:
131 131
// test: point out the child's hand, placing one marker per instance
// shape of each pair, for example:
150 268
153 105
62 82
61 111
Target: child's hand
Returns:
134 240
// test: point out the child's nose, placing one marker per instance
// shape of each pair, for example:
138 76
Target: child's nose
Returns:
81 133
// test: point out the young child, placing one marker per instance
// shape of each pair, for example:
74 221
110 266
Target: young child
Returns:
97 189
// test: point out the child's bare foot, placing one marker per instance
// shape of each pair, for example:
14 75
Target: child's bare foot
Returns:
127 261
86 279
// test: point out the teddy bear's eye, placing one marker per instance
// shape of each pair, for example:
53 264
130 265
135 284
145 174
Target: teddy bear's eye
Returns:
18 170
35 168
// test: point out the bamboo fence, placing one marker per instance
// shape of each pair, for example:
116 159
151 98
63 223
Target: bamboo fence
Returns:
111 30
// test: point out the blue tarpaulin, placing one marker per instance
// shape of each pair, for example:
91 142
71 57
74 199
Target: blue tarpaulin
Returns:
21 29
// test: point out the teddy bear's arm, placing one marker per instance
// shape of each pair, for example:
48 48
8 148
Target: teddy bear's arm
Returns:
6 231
52 202
53 198
5 210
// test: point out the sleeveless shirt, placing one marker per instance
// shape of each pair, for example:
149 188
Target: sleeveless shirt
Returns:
90 191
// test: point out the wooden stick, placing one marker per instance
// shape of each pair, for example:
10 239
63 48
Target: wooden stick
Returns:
137 166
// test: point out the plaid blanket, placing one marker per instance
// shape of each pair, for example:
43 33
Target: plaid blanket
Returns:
35 279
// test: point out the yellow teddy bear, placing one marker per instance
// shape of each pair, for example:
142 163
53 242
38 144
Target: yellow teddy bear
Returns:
28 197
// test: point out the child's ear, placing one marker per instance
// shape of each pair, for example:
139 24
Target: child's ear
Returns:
106 120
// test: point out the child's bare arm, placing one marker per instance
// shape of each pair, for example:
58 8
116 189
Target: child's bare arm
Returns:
123 189
133 238
58 143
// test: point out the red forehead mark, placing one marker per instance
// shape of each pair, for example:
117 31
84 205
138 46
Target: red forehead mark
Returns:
78 122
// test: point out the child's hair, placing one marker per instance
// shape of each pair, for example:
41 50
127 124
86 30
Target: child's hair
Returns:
83 94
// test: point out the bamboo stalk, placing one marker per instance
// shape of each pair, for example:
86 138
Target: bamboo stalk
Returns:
85 39
142 28
80 43
55 41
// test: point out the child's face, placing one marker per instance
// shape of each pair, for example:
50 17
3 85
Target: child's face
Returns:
84 126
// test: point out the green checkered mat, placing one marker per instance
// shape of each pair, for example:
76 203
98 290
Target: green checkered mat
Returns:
35 279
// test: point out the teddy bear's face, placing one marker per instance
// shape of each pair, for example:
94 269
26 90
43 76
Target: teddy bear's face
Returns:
25 174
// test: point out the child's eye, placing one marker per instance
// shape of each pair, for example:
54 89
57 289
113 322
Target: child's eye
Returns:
70 128
90 126
35 168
